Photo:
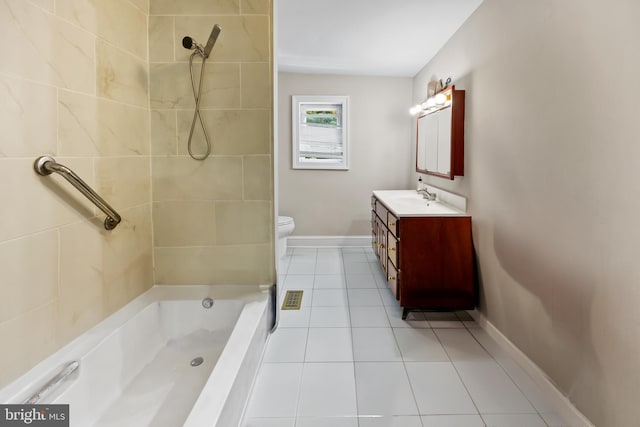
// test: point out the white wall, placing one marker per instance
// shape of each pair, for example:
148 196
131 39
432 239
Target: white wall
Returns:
552 170
337 203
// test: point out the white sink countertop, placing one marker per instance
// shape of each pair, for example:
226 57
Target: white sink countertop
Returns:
406 203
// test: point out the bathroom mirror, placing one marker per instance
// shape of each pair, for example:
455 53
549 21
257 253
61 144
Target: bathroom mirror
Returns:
440 137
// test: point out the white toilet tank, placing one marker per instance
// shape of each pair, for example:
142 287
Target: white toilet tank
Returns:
286 225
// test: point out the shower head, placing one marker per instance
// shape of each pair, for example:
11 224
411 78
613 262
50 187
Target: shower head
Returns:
215 32
190 43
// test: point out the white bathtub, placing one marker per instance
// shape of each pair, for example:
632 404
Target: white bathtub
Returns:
135 366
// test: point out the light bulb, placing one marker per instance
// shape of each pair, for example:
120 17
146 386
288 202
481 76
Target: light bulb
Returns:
415 110
440 99
431 102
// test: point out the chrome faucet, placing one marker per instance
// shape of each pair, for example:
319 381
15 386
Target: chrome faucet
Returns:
426 194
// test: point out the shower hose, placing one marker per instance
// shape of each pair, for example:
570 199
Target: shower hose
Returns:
196 114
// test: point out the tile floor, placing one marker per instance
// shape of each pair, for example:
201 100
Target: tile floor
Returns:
347 359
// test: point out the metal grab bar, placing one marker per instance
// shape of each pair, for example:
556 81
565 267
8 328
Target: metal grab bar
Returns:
64 373
45 165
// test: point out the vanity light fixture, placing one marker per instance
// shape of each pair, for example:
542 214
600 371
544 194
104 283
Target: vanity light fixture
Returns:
433 103
438 97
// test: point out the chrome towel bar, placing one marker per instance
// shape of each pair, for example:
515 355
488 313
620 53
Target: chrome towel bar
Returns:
45 165
68 369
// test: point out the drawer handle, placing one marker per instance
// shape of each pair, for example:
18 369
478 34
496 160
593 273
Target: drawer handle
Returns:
390 278
392 224
392 249
381 245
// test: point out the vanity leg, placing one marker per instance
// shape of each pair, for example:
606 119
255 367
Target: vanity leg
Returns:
405 311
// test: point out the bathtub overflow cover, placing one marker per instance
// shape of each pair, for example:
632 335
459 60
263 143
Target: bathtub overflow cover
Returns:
197 361
207 302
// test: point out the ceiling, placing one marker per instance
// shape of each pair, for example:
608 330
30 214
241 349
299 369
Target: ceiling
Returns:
365 37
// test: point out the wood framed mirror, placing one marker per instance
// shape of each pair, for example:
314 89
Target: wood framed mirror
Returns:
440 135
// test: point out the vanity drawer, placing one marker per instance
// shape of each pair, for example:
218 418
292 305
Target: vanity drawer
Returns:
392 223
392 249
392 279
381 211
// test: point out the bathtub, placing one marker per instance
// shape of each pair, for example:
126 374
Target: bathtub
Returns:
162 360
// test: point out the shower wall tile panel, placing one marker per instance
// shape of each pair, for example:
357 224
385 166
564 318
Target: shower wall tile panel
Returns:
182 178
34 335
224 204
37 46
40 203
171 85
62 271
128 258
163 132
184 223
143 5
256 84
242 222
121 76
27 118
48 5
17 260
258 173
194 7
257 7
116 21
214 264
162 42
124 181
90 126
234 131
81 277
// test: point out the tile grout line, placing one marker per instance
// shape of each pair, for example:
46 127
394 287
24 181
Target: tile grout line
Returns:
508 375
304 357
353 353
460 376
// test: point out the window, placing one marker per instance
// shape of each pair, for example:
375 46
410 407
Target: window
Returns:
319 132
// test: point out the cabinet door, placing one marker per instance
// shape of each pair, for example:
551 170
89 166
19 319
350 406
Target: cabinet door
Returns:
444 141
429 127
392 249
392 224
393 279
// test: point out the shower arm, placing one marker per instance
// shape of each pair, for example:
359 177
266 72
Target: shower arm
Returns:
45 165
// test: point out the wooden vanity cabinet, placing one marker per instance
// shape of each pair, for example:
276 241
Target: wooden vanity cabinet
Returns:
428 260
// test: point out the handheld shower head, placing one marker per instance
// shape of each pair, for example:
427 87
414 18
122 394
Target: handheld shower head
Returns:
190 43
215 32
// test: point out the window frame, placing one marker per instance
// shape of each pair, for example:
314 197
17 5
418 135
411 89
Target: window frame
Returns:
297 103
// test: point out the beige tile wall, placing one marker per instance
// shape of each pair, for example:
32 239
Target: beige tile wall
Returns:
213 220
73 85
77 83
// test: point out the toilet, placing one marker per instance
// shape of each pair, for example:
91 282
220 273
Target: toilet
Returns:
285 228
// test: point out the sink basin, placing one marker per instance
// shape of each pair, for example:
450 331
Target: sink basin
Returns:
411 203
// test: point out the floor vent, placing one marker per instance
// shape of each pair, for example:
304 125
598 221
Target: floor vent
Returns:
292 300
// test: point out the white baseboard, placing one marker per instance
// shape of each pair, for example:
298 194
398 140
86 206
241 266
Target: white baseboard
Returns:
566 410
328 241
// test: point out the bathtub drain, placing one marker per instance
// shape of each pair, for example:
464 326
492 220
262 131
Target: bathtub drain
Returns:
197 361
